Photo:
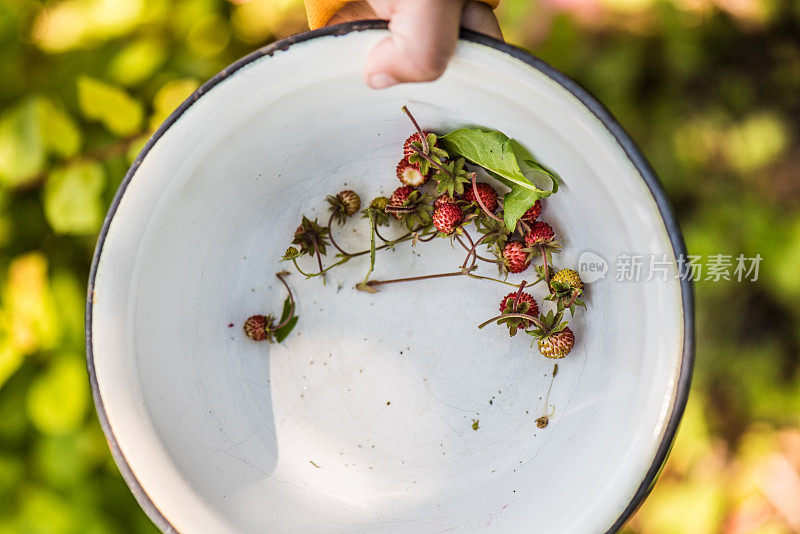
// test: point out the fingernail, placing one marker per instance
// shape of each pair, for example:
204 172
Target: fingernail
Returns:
381 80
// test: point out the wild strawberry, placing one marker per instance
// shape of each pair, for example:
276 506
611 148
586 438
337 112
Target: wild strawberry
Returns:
533 308
409 174
514 257
379 203
411 206
399 198
351 201
533 212
447 217
443 199
311 237
540 233
343 205
568 278
407 150
255 327
557 344
525 304
565 288
487 195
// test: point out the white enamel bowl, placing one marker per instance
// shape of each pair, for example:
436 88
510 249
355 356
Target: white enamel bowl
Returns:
216 433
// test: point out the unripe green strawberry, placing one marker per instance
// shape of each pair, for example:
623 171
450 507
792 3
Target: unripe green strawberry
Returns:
568 277
379 203
350 200
558 344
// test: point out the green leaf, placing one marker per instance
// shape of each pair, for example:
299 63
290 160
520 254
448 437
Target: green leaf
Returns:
138 61
60 134
72 198
509 162
532 170
516 203
492 150
364 286
22 149
112 106
57 400
282 332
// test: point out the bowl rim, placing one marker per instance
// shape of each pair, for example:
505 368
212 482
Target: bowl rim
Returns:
578 91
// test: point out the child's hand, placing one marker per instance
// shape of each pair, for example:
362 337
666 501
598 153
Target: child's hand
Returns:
424 36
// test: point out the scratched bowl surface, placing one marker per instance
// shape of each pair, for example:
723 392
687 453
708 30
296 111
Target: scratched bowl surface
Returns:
362 420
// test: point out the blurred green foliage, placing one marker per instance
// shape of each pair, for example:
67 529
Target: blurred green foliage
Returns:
710 89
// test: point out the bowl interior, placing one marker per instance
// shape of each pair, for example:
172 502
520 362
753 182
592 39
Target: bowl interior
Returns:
362 419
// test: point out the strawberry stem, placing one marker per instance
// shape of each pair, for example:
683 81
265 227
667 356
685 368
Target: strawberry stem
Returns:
479 277
478 256
473 251
328 268
546 268
433 162
519 293
377 233
283 323
319 258
373 283
531 318
333 241
480 201
422 136
572 300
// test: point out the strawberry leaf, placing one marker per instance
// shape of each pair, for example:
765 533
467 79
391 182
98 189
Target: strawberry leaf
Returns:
509 162
282 332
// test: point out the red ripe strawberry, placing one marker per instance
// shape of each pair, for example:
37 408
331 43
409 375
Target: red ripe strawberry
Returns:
443 199
533 212
540 233
399 197
407 150
255 327
447 217
409 174
557 345
515 257
487 194
533 308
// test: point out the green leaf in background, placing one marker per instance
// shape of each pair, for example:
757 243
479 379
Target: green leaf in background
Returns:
282 332
72 198
60 134
112 106
31 131
22 149
506 160
169 97
57 400
138 61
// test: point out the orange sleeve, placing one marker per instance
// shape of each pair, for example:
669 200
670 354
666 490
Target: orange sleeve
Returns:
320 11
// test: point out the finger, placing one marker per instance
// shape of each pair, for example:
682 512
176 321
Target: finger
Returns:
480 18
423 37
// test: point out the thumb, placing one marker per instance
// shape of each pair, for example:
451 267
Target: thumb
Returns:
423 38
